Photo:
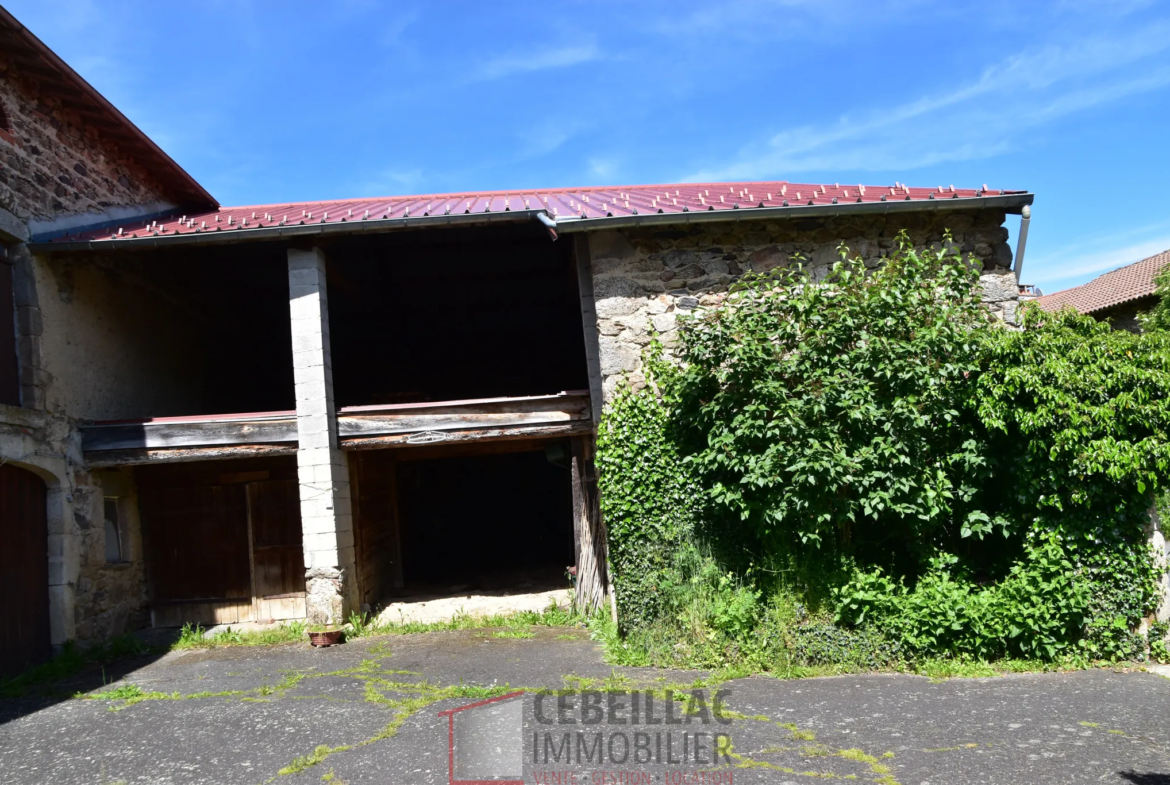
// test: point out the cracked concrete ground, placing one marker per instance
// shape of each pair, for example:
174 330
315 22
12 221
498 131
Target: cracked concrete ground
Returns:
241 715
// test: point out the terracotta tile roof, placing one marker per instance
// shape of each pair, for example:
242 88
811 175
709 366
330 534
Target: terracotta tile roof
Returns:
1123 285
560 204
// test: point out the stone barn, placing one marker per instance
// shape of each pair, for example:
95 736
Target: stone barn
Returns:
232 414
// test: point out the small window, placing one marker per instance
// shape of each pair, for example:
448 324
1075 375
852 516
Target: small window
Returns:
117 536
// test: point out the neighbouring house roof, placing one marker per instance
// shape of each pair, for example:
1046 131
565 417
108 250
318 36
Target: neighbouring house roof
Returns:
1125 284
571 209
32 58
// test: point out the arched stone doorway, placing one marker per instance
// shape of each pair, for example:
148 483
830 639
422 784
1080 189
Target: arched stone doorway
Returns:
24 570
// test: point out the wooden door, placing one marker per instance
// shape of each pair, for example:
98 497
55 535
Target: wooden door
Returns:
24 571
376 532
196 541
278 560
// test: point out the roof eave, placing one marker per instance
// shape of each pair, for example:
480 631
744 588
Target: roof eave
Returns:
1008 203
362 226
564 224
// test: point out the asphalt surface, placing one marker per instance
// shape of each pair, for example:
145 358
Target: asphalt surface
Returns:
240 715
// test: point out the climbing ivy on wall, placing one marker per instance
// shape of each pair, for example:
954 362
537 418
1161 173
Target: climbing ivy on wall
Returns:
648 499
964 488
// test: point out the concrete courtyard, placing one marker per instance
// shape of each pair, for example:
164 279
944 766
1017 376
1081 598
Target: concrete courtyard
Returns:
369 712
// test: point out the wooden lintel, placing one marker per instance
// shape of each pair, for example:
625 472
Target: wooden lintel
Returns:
110 458
546 416
185 434
486 415
432 438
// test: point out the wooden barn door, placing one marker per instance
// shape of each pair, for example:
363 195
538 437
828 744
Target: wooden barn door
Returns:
24 571
278 560
197 554
223 541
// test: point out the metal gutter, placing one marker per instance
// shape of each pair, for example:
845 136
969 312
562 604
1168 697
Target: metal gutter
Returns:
1009 203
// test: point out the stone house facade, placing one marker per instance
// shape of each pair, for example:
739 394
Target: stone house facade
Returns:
67 158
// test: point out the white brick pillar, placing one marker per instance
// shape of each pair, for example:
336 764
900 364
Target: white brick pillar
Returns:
326 509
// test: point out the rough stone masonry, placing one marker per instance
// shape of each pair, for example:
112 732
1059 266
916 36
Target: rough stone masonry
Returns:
646 277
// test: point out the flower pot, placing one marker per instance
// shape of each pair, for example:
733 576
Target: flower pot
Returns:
326 638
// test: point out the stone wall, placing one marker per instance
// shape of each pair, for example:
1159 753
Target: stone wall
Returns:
648 276
1128 315
111 598
53 165
112 346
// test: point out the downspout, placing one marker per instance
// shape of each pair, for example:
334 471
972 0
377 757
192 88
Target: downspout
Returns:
549 224
1022 242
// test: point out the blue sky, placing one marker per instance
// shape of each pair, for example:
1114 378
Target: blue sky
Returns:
277 101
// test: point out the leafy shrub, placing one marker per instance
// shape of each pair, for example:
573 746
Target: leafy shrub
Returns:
1036 612
957 489
826 413
824 643
648 499
1159 638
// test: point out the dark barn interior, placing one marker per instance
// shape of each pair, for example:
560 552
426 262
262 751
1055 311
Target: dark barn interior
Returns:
231 304
485 522
451 520
467 313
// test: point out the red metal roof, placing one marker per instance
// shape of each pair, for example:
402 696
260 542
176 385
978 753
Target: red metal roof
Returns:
1123 285
559 203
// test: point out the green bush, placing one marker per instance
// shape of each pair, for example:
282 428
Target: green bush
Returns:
1036 612
871 442
648 500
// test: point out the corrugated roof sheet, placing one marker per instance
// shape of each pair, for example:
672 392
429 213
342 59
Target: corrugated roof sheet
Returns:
1123 285
559 203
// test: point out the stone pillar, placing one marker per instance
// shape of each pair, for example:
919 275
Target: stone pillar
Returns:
326 511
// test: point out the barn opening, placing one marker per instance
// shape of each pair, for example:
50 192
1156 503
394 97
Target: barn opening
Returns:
449 522
453 315
189 331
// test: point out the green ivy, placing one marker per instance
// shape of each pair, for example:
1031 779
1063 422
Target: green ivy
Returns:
962 489
648 500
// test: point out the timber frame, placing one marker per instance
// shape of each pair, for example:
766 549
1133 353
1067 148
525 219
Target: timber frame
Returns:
174 439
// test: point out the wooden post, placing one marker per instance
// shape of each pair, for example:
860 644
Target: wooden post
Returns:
592 553
584 266
594 580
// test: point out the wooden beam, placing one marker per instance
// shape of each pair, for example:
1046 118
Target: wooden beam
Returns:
584 264
139 457
430 438
492 414
188 433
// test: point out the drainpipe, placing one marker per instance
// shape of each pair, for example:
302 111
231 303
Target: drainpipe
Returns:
549 224
1022 242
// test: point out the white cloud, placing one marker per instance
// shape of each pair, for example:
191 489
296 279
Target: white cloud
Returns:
536 60
980 119
1058 271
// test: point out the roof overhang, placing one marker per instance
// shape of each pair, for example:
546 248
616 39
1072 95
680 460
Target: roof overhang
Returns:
1009 203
